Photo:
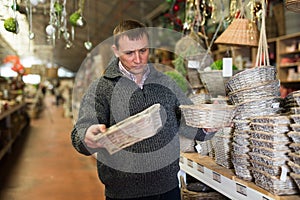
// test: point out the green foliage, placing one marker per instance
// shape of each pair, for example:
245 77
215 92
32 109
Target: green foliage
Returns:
179 79
74 18
11 25
218 65
179 65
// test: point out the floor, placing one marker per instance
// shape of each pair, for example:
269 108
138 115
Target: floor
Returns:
42 163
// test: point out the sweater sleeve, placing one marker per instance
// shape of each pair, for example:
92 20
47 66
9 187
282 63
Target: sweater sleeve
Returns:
86 117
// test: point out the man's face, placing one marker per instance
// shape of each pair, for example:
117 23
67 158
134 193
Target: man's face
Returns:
133 54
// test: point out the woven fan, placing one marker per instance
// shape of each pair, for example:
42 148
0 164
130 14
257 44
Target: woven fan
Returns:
293 5
241 32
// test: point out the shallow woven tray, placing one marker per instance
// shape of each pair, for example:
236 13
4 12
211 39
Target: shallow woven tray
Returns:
277 161
131 130
295 147
205 147
272 128
276 145
243 172
240 149
294 110
266 89
296 118
296 178
273 184
270 136
201 98
295 136
254 76
208 115
270 152
273 119
295 168
241 125
295 157
241 139
269 169
241 159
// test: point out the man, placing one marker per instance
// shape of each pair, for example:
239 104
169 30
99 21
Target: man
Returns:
147 169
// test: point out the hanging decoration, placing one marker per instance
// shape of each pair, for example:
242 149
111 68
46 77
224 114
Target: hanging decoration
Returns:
88 44
11 23
76 18
17 66
241 31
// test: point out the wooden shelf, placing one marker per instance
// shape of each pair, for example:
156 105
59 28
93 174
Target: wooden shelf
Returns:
289 65
289 53
224 180
11 110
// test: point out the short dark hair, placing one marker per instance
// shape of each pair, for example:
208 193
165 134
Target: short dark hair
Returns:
131 28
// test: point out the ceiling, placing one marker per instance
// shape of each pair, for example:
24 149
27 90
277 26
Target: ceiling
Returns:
101 17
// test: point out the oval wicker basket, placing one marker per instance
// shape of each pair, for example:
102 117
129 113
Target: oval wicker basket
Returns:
208 115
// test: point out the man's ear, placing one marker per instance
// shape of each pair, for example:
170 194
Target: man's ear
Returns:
115 50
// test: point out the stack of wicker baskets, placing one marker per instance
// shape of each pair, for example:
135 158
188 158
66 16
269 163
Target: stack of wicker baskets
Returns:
293 106
255 92
269 154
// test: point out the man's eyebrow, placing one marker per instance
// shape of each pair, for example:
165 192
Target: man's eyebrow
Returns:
146 47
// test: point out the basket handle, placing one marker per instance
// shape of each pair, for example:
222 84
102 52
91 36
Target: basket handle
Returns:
182 182
262 56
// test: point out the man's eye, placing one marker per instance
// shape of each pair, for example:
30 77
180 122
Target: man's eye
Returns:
128 52
143 50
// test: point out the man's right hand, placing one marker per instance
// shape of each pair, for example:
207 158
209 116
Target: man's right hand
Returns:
91 133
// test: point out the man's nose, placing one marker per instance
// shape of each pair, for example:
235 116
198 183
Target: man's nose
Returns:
137 58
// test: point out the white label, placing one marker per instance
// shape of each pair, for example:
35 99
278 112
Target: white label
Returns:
217 177
283 174
193 64
227 67
198 148
241 189
200 168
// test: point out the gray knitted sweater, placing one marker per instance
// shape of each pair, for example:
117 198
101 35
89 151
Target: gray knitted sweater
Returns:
148 167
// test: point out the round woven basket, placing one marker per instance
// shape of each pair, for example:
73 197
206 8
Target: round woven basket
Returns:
240 32
293 5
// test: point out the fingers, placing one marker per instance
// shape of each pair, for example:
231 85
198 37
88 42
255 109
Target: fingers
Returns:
91 133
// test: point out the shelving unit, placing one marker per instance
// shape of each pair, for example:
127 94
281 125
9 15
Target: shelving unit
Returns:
12 122
224 180
288 59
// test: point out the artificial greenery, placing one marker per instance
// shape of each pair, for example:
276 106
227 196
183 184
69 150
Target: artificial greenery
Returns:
218 65
179 79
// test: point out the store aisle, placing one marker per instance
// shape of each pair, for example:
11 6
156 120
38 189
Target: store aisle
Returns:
43 164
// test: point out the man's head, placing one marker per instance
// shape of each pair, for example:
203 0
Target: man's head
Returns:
130 28
131 46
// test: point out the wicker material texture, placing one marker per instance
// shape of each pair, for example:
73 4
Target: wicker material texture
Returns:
240 32
208 115
293 5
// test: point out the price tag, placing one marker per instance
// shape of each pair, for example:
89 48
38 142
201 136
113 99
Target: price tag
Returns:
200 168
241 189
283 174
227 67
198 148
190 163
193 64
217 177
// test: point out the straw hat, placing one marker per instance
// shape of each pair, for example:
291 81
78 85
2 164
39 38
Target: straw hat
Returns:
240 32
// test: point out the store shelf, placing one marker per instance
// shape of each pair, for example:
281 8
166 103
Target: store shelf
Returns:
14 131
224 180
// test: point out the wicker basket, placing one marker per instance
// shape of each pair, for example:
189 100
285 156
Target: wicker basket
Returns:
293 5
295 127
274 119
270 152
214 82
295 167
191 195
296 118
278 161
241 32
269 169
201 99
274 184
295 136
241 125
222 150
294 110
270 136
243 172
296 178
276 145
271 128
295 147
254 77
131 130
241 139
266 89
239 149
205 148
295 158
208 115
